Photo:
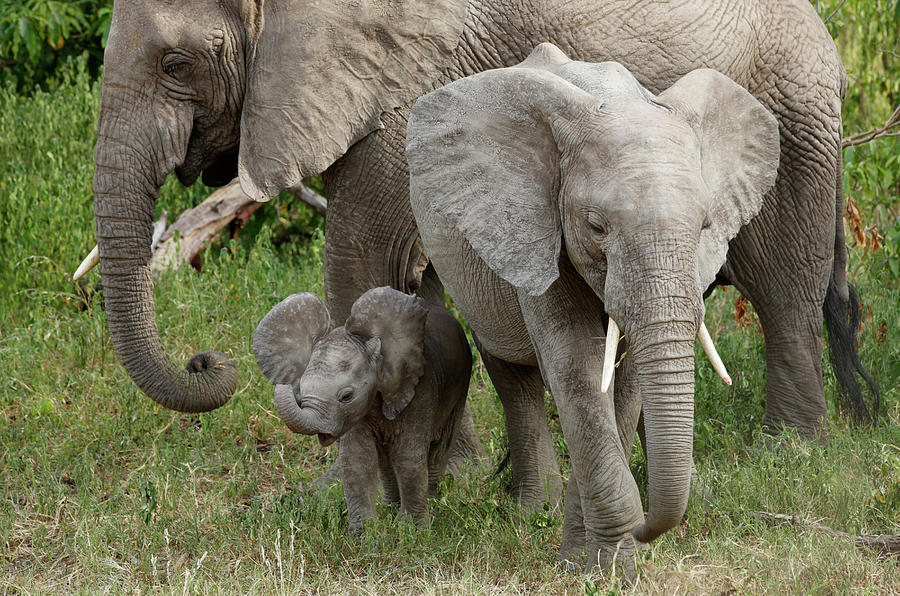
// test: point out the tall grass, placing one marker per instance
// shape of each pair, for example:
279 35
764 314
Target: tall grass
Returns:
100 489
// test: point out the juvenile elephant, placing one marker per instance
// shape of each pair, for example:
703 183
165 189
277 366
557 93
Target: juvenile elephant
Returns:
550 192
391 382
274 91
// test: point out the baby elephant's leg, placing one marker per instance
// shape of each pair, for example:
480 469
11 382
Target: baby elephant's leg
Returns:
411 469
390 492
360 477
442 451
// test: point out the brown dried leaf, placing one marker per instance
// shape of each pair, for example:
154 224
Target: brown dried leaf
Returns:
854 222
874 240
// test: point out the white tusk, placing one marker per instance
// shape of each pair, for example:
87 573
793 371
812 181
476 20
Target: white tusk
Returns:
609 356
707 343
87 264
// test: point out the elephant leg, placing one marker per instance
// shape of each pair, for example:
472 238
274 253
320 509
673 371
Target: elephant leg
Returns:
782 260
411 467
360 476
390 492
371 238
442 450
535 470
571 547
566 328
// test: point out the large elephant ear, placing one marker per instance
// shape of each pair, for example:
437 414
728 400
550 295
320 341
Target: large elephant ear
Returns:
398 320
321 73
284 339
739 153
483 160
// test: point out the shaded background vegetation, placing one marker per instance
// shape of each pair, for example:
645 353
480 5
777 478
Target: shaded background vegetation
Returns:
99 487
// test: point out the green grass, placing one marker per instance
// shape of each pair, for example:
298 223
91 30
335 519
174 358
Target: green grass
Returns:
101 489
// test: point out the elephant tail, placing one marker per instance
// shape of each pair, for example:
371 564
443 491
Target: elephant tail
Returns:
842 323
841 311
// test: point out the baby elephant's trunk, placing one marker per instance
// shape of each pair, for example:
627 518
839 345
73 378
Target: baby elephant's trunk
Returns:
296 418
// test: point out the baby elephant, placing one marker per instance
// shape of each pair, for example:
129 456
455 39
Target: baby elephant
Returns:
391 382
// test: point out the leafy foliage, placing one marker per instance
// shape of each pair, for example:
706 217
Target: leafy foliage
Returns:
868 36
39 36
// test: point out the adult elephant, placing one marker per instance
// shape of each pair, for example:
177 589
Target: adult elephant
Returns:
282 89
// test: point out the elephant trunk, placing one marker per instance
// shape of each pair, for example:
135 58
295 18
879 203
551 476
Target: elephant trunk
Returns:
127 179
663 352
300 420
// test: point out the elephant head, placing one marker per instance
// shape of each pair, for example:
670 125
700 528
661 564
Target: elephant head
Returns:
328 380
274 91
643 194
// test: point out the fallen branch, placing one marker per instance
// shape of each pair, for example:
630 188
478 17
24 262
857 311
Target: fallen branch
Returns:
883 544
315 201
201 226
888 130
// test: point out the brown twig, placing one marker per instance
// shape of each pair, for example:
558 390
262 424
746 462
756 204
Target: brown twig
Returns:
883 544
893 122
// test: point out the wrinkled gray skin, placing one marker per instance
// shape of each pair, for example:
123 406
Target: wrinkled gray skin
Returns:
289 88
545 191
391 382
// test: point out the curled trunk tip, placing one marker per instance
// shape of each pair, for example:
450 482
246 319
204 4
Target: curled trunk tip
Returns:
290 411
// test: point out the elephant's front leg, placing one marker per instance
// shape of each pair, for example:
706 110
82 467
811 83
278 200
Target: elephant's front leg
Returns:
566 328
627 405
358 452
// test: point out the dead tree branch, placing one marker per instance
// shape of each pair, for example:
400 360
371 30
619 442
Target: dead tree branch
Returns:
201 226
883 544
891 128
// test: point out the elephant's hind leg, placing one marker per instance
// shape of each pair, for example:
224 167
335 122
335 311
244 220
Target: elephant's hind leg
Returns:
535 470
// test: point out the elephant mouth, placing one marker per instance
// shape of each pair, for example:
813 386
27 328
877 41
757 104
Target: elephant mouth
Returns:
216 172
325 439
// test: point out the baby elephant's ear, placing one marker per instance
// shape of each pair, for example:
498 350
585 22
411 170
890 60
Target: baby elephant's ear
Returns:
398 320
284 339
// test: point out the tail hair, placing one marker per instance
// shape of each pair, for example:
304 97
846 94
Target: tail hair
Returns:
842 323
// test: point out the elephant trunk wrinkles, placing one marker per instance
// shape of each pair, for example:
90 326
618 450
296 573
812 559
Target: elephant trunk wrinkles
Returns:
664 358
296 418
126 185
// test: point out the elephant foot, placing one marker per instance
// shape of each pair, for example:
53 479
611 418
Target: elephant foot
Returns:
615 558
572 562
531 495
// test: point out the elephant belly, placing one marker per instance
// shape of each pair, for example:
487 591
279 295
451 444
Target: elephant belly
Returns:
489 304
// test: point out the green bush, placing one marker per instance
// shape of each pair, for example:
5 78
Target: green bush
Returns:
38 36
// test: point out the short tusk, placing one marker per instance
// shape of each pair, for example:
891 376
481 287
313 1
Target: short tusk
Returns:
710 349
609 356
87 264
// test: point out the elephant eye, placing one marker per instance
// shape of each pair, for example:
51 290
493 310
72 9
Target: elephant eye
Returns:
346 395
173 63
173 67
706 224
596 228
